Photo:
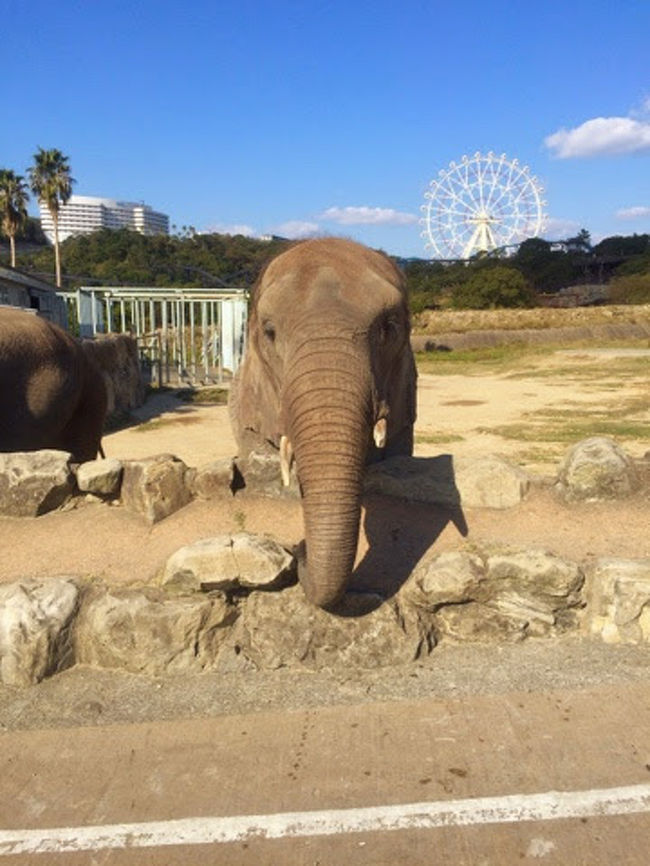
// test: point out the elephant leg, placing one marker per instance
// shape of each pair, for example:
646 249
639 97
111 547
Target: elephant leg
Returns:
83 433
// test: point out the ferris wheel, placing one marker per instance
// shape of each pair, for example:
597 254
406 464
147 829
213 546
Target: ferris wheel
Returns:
481 203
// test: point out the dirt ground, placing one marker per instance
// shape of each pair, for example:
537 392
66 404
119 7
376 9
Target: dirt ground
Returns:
466 412
463 415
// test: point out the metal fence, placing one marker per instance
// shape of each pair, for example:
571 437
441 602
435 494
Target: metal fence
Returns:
184 335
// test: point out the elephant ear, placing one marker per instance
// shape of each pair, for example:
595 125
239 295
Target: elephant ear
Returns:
400 392
254 403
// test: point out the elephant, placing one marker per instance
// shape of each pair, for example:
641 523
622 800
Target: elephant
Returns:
52 392
328 381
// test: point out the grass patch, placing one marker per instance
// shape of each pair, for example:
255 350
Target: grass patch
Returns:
474 362
522 361
437 438
159 423
202 396
571 432
629 407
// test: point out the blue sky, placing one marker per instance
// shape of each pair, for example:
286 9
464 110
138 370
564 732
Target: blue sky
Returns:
332 116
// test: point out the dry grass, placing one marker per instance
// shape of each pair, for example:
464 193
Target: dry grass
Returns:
433 322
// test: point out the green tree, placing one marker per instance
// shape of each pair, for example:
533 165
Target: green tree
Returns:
13 207
51 183
497 286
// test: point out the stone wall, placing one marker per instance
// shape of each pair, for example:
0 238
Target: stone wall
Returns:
117 357
212 611
232 602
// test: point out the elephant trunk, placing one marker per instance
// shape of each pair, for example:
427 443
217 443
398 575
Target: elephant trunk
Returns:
328 410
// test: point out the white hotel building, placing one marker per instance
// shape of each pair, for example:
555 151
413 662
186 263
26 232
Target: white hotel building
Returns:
83 214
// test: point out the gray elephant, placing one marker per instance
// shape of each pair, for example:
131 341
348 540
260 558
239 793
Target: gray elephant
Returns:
328 380
52 393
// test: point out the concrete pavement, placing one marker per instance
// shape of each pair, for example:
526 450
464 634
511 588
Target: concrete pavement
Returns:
100 784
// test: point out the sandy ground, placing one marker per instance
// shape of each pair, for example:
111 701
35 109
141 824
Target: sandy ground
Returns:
109 542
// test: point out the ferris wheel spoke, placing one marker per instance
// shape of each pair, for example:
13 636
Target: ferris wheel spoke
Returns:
480 204
496 171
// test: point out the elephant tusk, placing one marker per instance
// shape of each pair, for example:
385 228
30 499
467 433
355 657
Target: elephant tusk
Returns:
286 459
379 433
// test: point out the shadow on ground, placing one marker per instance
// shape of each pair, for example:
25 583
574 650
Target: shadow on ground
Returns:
399 533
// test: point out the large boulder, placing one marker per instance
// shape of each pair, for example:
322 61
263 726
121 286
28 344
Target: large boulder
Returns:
597 468
490 482
453 577
100 477
484 482
618 600
259 473
229 562
281 629
146 631
34 482
417 479
155 486
536 587
35 617
213 480
509 596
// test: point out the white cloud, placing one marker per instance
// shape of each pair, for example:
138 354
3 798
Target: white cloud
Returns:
557 228
295 229
633 213
601 136
348 216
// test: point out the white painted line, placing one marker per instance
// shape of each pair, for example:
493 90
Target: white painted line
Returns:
550 806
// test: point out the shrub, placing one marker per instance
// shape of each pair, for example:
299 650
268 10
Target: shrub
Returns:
492 287
632 289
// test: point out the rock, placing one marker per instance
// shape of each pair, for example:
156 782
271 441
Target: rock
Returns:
155 486
445 578
229 562
475 622
260 474
283 630
537 587
618 600
35 616
146 631
487 482
215 479
418 479
490 482
597 468
100 477
34 482
464 596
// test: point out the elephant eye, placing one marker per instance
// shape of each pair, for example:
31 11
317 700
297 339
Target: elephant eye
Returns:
269 331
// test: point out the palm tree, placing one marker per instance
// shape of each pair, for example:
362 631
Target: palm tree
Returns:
51 183
13 207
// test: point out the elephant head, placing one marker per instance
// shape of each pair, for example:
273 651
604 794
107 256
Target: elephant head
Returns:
329 380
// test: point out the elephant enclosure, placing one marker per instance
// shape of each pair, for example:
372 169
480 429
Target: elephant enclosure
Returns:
529 410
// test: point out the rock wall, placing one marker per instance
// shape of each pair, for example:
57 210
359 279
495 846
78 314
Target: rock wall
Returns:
232 601
117 357
223 619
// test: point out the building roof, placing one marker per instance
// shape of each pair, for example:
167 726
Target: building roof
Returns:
28 281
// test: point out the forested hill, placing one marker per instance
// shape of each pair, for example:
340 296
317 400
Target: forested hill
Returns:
124 257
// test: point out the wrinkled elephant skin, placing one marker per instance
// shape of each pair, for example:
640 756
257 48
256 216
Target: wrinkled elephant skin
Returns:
52 394
328 380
